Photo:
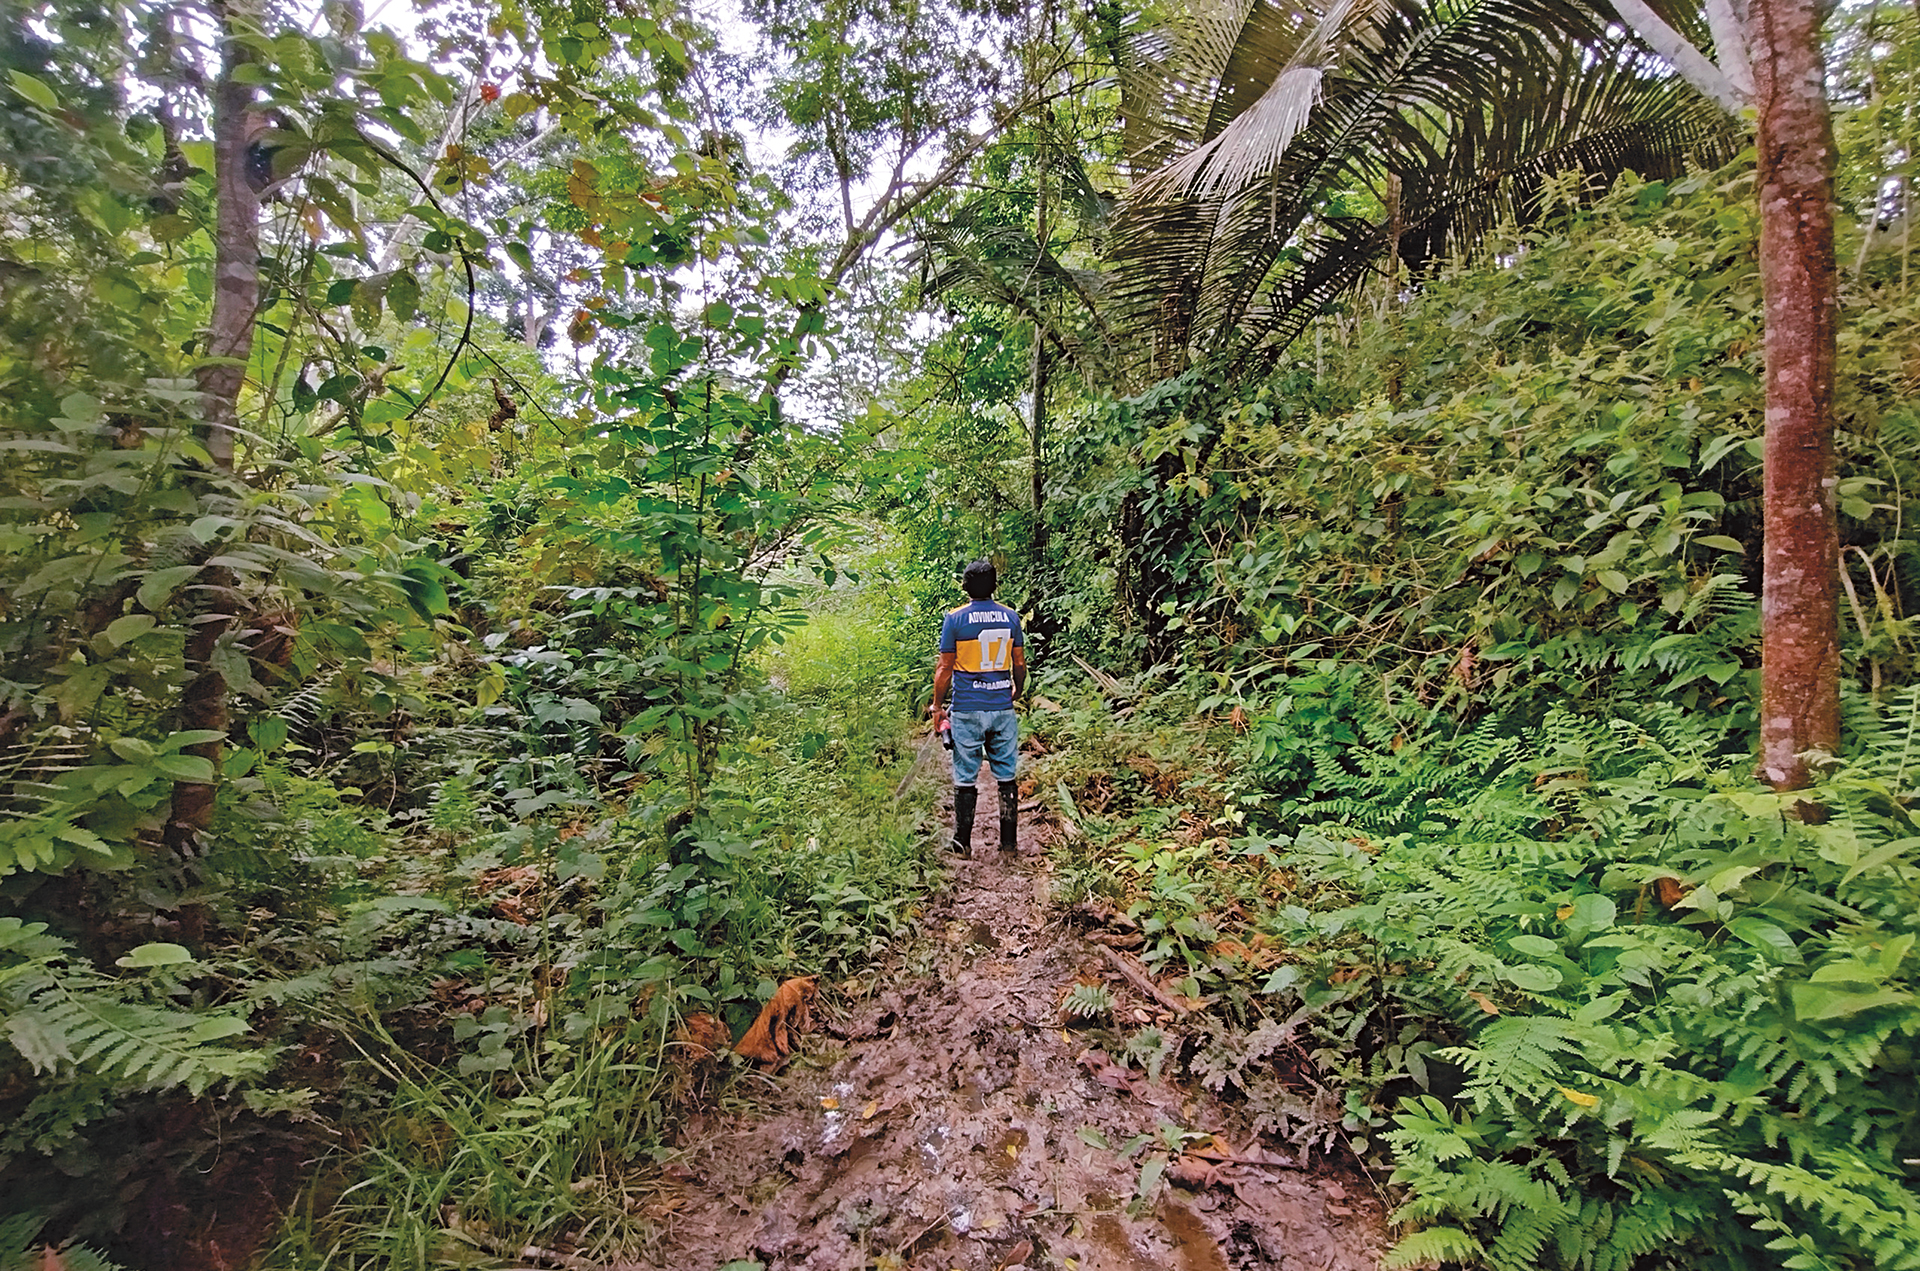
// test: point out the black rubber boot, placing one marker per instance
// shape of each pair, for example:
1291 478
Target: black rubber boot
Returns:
1009 817
964 798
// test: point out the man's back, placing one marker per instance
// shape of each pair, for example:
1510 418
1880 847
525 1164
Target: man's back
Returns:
982 635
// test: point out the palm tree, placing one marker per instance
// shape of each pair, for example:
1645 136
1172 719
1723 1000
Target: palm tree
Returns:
1282 149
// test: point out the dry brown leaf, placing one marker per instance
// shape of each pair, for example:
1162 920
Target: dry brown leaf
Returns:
1669 891
786 1015
1015 1256
702 1035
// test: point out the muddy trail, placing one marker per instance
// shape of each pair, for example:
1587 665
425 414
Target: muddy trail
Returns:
953 1120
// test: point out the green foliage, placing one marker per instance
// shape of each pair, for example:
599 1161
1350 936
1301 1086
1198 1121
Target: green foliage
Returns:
1536 483
1731 1077
19 1250
85 1034
1088 1002
1594 997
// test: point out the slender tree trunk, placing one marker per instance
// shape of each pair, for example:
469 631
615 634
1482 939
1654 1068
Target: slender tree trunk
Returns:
1037 436
236 304
1042 359
236 245
1800 641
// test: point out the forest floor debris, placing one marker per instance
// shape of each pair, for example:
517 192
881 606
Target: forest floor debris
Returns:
961 1123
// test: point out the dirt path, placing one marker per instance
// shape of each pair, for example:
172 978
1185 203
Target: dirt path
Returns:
970 1130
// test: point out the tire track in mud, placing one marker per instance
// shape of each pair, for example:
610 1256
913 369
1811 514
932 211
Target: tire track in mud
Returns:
965 1132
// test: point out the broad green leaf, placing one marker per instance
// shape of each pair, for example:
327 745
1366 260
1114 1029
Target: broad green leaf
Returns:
269 732
1600 1008
403 296
161 584
215 1027
1816 1002
34 90
132 749
76 694
1283 977
185 768
1592 912
1762 934
424 592
129 627
1532 979
1150 1173
1881 856
1535 946
152 955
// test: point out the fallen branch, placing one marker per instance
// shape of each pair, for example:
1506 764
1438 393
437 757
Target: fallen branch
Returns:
1110 686
1138 977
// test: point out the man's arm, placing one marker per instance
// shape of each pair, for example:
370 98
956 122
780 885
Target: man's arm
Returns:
1019 672
942 681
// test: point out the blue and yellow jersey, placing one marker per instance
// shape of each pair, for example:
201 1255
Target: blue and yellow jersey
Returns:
982 636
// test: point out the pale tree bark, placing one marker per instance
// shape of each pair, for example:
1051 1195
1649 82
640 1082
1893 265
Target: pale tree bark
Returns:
1800 640
1695 67
1728 20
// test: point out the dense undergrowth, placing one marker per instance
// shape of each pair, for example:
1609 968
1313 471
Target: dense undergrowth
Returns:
1596 999
477 1012
1441 785
1435 779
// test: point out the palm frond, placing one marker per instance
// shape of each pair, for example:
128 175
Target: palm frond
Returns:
1464 106
1244 144
1169 78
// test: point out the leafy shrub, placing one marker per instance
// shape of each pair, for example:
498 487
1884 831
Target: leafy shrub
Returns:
1686 1018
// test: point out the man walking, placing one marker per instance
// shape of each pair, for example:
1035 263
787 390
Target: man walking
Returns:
983 660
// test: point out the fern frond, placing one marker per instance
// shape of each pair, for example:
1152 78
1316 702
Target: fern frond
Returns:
1434 1245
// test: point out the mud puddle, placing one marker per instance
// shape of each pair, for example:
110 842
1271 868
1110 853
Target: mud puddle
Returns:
974 1133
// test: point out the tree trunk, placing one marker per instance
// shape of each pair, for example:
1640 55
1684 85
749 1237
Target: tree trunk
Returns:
236 304
1037 438
236 247
1042 359
1800 640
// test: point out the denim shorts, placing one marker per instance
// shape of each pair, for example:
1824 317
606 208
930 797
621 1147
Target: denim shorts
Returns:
995 732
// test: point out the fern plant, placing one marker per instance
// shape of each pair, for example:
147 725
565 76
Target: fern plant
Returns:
1719 1068
21 1250
1088 1002
86 1034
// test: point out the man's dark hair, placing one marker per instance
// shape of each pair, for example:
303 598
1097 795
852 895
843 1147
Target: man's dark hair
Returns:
980 578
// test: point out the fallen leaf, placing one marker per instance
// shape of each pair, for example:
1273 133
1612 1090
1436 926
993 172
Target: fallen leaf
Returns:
1015 1256
702 1035
1669 891
1584 1100
829 1102
866 1113
787 1014
1485 1003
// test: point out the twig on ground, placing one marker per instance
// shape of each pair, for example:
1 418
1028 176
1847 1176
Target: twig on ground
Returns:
1138 977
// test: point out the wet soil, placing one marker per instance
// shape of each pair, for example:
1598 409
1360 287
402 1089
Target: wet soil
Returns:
957 1123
